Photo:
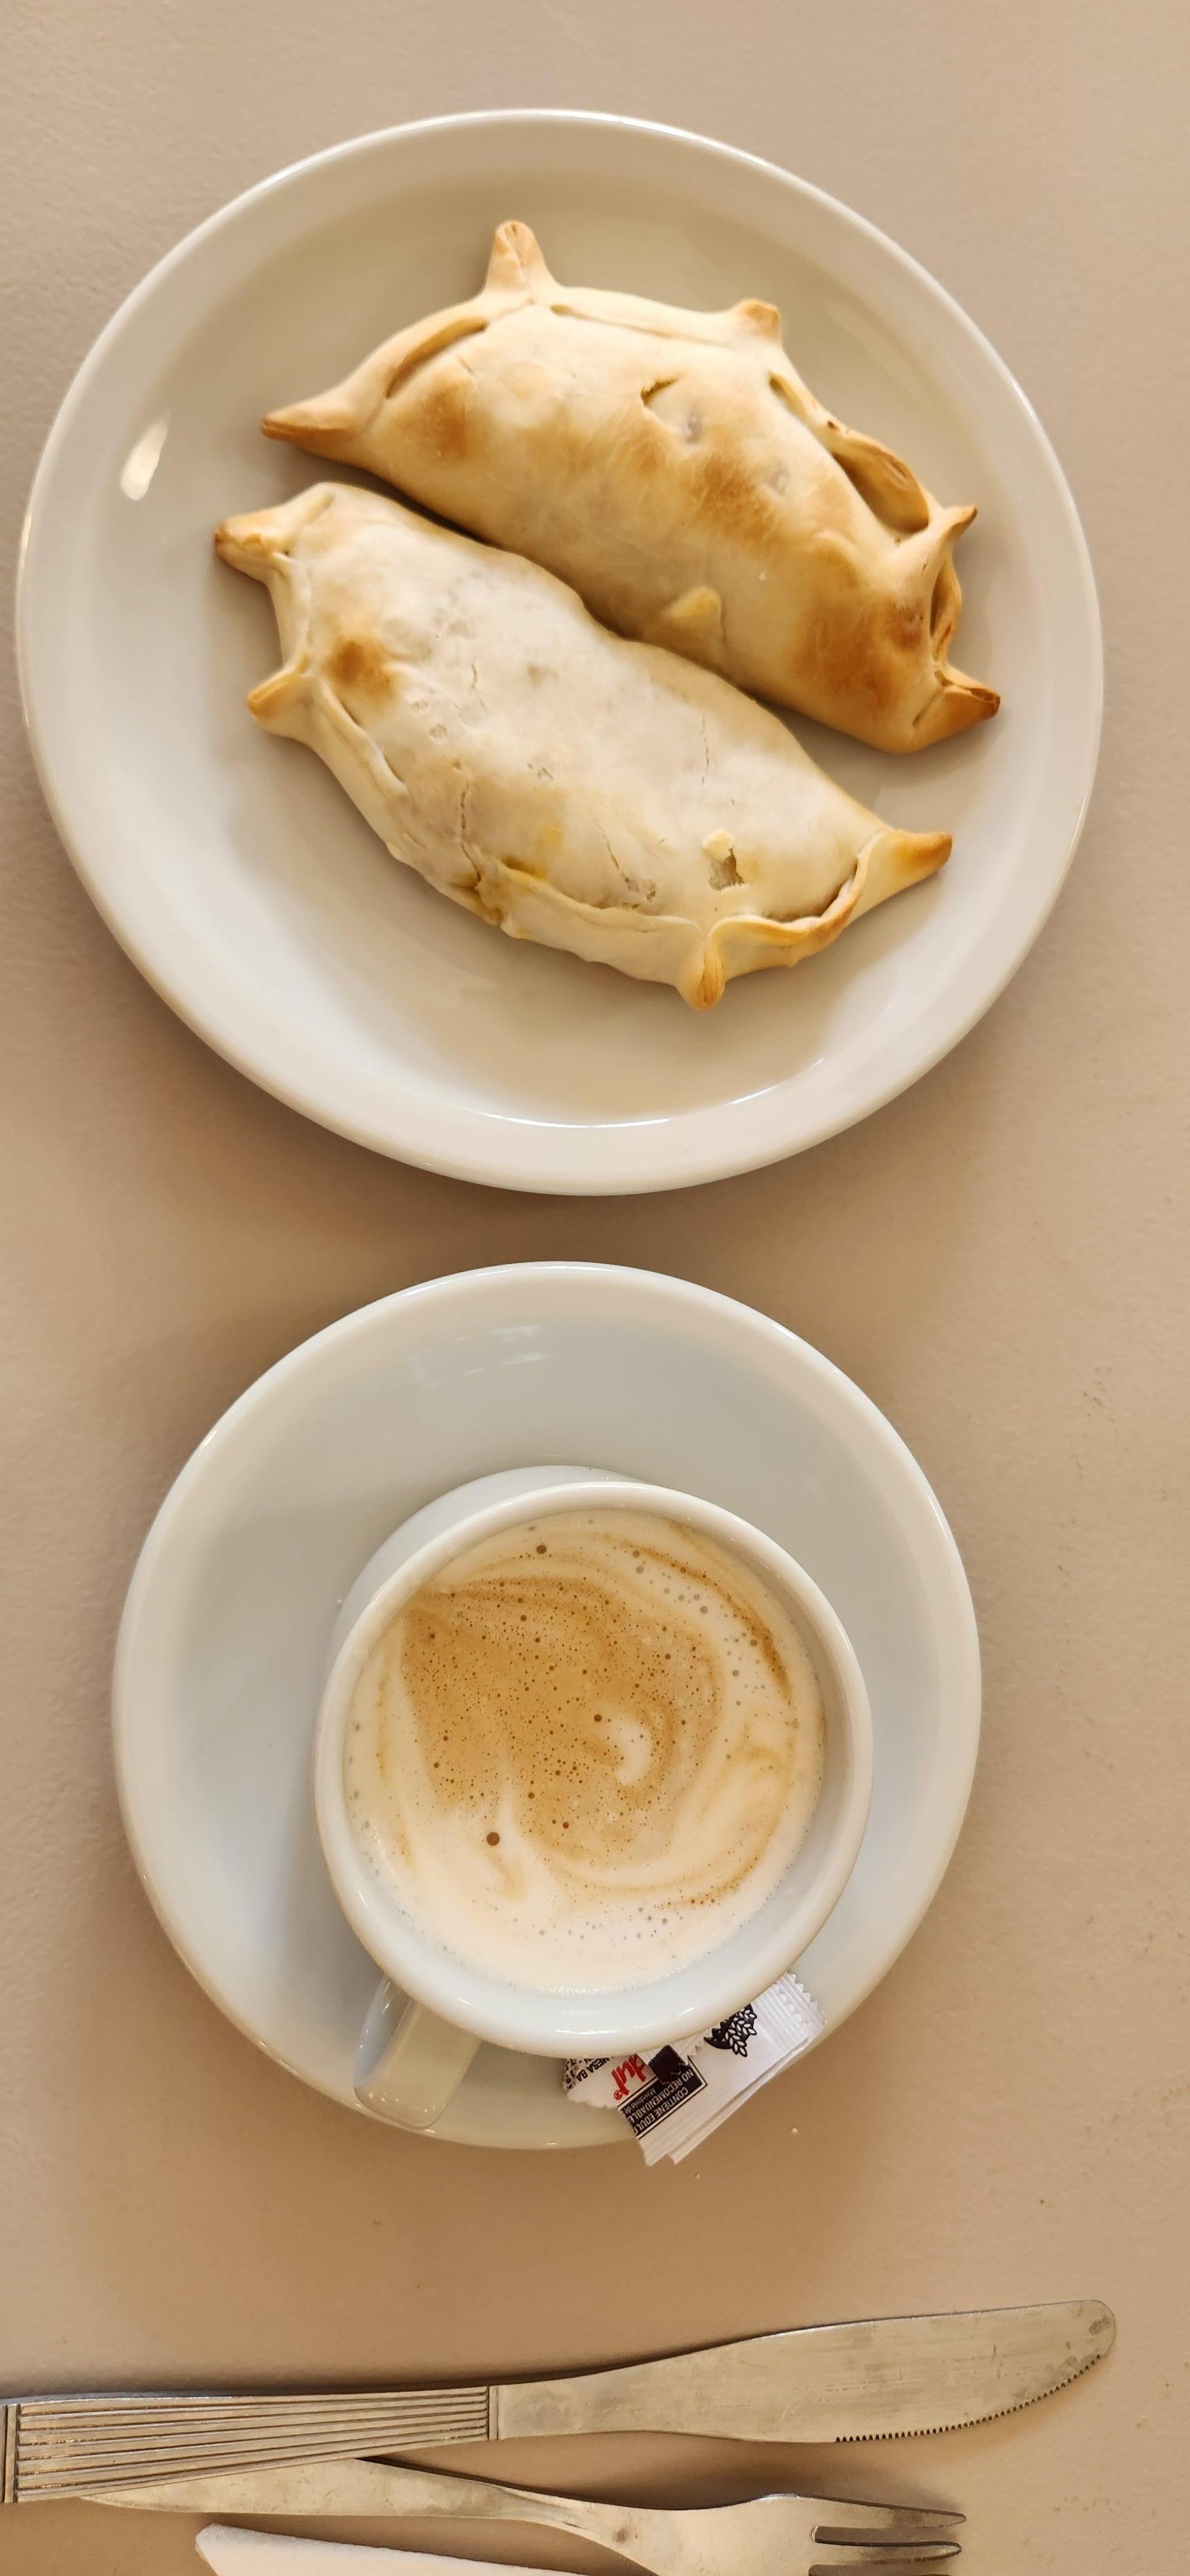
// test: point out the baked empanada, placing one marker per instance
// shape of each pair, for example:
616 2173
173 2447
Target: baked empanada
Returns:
578 790
673 468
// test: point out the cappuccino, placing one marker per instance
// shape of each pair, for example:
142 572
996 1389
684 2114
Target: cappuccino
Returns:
586 1751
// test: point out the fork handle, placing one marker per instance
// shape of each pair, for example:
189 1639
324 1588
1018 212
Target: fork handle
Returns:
423 2491
376 2487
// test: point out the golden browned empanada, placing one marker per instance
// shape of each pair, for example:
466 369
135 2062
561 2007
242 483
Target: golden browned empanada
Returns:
578 790
673 468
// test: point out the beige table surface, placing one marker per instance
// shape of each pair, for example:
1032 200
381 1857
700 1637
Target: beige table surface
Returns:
995 1258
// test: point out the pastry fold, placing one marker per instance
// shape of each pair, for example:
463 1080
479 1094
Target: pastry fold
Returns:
576 789
674 469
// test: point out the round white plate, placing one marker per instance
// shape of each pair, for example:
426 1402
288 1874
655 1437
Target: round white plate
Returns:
223 1646
235 871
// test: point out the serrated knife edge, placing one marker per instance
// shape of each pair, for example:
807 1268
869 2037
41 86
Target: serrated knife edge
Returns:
927 2432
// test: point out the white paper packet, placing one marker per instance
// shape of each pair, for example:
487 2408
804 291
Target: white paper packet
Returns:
232 2551
674 2099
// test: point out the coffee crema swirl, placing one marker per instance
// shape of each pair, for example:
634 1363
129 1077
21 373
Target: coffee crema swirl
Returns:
586 1750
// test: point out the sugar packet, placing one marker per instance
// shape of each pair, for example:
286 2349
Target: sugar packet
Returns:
673 2098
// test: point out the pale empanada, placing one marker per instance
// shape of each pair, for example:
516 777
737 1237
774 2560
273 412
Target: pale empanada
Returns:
578 790
676 471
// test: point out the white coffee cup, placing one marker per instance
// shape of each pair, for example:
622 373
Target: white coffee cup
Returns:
432 2010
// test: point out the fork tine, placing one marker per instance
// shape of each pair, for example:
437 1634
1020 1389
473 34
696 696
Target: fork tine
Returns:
841 2520
910 2553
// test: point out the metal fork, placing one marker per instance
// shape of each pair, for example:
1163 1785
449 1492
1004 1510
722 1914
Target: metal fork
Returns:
770 2535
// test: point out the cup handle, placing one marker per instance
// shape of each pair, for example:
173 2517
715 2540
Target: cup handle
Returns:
408 2063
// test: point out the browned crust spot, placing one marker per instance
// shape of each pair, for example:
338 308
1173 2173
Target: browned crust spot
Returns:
359 662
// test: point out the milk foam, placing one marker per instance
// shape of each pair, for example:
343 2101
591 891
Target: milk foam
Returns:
586 1751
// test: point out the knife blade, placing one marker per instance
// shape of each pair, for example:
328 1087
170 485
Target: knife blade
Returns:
875 2377
841 2383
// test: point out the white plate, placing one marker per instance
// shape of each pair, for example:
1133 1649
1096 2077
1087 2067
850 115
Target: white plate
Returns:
223 1645
234 870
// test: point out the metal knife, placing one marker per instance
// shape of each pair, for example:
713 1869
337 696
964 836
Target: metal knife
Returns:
838 2383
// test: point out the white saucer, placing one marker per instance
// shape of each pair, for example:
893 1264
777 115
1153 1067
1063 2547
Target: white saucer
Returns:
233 868
224 1639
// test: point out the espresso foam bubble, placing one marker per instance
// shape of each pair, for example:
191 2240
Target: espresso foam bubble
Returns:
586 1751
